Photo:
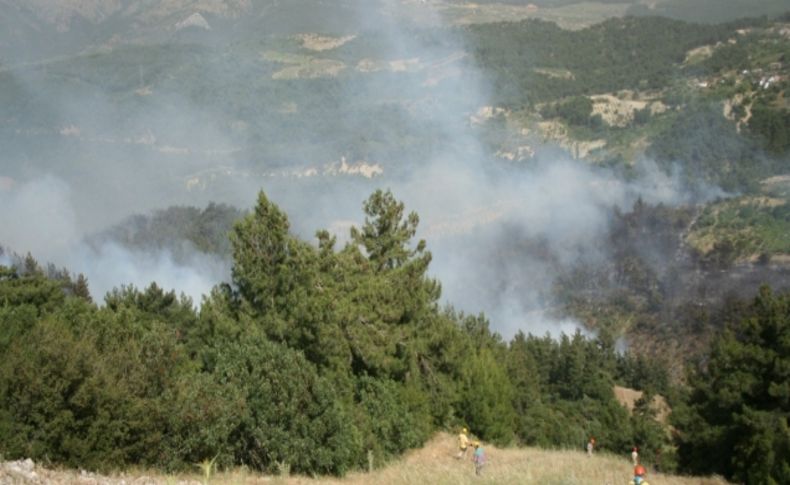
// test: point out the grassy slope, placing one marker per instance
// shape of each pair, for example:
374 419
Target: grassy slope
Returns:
754 225
434 464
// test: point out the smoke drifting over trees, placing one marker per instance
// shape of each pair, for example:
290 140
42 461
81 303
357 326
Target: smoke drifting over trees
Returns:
560 182
101 157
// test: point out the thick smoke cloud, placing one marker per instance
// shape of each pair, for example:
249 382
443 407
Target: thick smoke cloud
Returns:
39 217
110 265
503 249
499 231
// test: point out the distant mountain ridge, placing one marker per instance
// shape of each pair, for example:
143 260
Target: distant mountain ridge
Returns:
34 30
38 29
64 14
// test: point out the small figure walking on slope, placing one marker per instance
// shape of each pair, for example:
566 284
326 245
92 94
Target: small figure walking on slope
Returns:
463 443
639 476
635 456
479 458
590 446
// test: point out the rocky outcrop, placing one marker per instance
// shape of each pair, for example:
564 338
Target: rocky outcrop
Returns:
195 21
62 13
26 472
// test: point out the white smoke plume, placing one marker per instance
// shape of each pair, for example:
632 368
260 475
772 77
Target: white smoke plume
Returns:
39 217
111 265
498 231
558 208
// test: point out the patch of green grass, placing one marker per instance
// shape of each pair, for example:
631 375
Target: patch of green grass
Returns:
743 228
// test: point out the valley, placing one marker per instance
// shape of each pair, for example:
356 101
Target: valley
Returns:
600 195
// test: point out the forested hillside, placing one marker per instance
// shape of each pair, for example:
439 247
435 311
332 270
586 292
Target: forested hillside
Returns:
681 102
619 171
315 356
180 230
268 105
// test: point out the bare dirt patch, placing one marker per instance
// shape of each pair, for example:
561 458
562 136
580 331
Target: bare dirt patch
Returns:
555 73
314 69
396 65
573 17
729 112
436 71
619 111
486 113
303 67
629 397
556 132
778 185
763 201
320 43
698 54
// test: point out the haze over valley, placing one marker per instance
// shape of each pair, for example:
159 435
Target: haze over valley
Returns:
318 105
614 170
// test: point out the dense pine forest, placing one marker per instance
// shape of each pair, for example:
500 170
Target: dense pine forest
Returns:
315 356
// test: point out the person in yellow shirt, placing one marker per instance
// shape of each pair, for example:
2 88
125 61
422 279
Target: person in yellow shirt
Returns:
463 443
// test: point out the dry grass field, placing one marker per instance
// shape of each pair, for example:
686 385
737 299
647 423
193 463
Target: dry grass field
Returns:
435 464
432 464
